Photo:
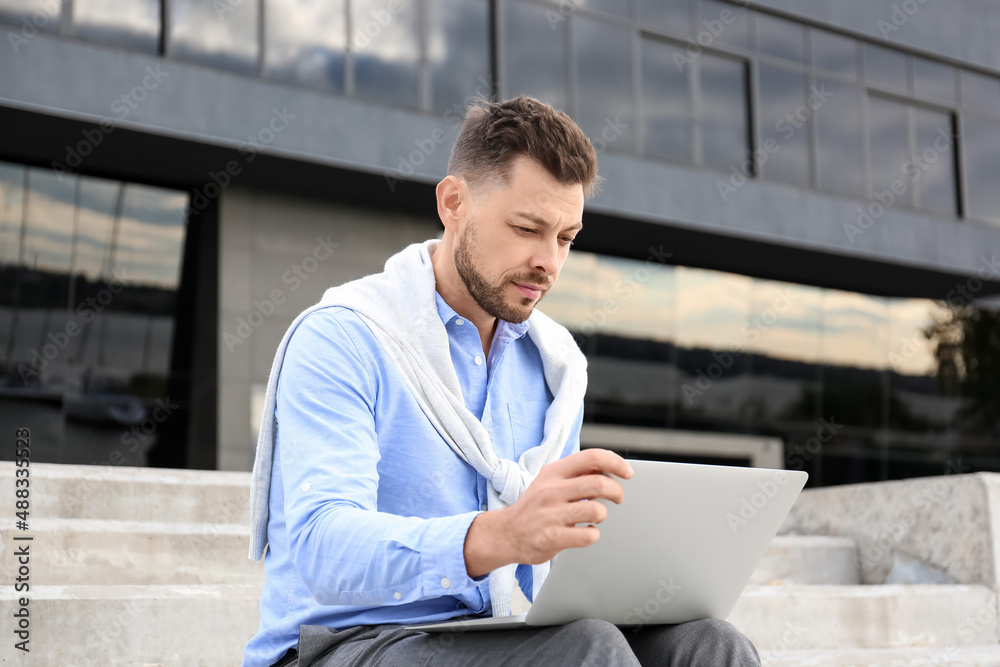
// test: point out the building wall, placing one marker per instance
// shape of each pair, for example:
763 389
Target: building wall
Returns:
274 262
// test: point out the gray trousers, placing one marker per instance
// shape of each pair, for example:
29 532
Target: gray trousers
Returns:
593 643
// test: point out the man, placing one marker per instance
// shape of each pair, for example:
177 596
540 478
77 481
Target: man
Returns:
425 435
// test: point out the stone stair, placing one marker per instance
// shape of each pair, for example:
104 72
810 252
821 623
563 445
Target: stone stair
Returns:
133 566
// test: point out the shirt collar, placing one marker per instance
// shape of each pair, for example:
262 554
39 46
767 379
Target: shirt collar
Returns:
448 313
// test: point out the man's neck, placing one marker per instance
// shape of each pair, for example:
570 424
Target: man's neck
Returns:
451 288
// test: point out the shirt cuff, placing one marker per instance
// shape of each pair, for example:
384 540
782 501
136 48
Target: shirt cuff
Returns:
443 564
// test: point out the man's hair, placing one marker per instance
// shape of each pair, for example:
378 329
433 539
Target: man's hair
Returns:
494 133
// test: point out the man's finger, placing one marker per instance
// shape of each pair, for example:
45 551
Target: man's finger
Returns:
591 461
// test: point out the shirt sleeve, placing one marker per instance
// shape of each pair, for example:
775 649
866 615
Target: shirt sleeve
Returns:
347 551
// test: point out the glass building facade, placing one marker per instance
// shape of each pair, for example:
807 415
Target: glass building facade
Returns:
741 93
89 271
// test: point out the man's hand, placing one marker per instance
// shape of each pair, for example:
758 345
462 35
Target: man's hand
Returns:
543 520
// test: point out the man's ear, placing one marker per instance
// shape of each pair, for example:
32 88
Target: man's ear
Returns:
452 201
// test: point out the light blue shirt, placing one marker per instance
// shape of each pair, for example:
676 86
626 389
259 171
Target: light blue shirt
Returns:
369 506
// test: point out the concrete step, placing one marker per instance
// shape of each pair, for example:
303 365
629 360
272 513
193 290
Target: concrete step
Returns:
133 494
125 626
966 656
807 618
70 552
809 559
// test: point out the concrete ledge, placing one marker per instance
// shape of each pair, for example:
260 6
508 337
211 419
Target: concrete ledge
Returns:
967 656
808 559
125 626
71 552
779 618
950 522
133 494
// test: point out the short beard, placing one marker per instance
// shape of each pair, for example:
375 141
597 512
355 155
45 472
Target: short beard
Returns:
490 297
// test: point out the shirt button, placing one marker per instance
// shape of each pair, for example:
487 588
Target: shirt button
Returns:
483 507
397 595
445 583
478 360
305 487
459 322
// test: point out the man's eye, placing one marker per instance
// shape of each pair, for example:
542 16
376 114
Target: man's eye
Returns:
525 230
566 240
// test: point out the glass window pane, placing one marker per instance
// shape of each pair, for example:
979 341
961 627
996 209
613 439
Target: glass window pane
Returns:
620 8
780 38
724 23
534 54
40 14
890 148
11 201
834 53
386 58
712 310
784 119
133 25
885 67
981 91
981 147
935 146
458 47
673 15
666 104
934 79
838 125
723 111
214 34
604 83
784 335
306 41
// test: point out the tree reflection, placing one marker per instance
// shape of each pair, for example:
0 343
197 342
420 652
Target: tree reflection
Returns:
967 351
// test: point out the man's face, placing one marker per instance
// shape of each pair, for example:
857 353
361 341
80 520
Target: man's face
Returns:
516 238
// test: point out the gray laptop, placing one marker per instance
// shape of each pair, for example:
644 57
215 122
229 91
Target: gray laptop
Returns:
681 547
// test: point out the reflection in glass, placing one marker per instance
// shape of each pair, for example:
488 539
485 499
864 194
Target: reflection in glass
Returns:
725 22
215 34
673 15
619 8
458 48
780 38
134 25
534 54
604 83
885 67
834 53
782 94
888 124
933 79
306 41
386 59
784 336
15 11
936 186
666 103
981 147
838 125
87 308
981 91
723 111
